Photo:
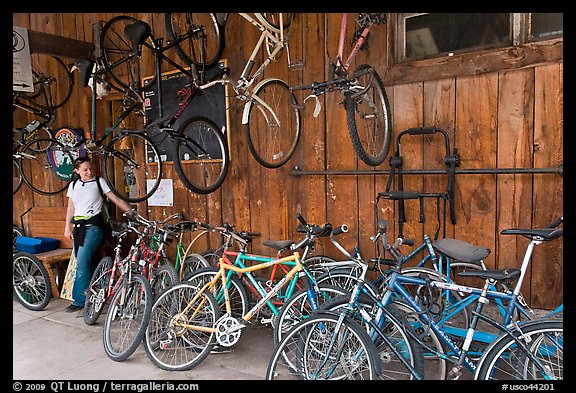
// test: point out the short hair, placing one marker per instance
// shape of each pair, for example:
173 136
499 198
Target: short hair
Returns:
80 160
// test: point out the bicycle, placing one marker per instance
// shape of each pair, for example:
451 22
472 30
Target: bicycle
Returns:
315 347
514 335
271 117
186 320
109 271
52 88
31 283
368 114
246 289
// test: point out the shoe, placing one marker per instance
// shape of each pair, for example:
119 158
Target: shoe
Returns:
220 349
73 307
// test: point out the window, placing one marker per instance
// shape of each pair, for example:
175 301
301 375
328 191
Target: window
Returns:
545 26
439 34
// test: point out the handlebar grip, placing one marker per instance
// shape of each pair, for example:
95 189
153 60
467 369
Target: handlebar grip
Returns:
556 222
408 242
301 219
341 229
421 130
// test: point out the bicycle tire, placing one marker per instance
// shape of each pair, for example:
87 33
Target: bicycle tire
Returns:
504 359
119 58
213 256
239 301
39 133
127 318
30 281
396 326
272 137
48 172
52 81
96 293
436 303
298 307
180 25
436 365
297 346
164 277
369 119
202 157
192 263
139 160
272 20
346 278
16 176
176 348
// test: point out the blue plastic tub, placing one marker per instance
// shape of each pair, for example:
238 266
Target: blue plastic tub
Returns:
36 245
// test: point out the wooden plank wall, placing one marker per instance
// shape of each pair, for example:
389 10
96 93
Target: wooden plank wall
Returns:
501 119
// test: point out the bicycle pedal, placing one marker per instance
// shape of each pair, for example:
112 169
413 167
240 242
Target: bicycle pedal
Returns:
265 321
164 344
296 65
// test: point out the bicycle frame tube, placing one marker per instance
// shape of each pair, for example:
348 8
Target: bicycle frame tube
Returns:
355 49
295 257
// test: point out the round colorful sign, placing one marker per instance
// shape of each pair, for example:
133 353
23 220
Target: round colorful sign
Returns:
60 162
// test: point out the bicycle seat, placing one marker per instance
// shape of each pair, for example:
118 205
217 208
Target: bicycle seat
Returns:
461 250
137 32
545 234
84 66
278 244
498 275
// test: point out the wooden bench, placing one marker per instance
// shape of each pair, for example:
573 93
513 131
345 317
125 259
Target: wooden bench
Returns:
49 222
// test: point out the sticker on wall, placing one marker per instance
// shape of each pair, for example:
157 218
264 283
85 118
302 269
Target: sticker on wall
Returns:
164 194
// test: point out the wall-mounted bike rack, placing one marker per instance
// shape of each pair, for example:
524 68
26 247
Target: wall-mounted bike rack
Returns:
452 161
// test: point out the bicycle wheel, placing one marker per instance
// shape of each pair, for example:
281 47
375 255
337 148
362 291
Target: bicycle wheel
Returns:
16 176
127 318
197 36
96 293
192 263
22 136
132 166
53 82
121 61
368 117
321 347
273 125
213 256
393 324
298 307
163 277
272 20
48 172
346 278
506 359
239 302
202 156
30 281
433 351
168 343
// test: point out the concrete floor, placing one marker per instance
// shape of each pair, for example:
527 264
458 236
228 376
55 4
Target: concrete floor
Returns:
54 345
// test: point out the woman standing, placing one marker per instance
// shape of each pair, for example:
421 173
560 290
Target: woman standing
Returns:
85 223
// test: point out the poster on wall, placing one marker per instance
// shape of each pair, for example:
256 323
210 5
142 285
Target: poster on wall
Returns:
211 103
164 194
22 79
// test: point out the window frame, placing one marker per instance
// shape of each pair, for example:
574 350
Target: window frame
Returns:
519 35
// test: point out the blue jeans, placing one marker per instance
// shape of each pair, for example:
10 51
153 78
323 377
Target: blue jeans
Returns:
92 240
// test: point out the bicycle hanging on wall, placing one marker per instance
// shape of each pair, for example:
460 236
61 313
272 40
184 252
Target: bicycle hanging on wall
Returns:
368 114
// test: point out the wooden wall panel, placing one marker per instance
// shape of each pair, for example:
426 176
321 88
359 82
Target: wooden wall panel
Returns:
547 264
500 118
476 122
